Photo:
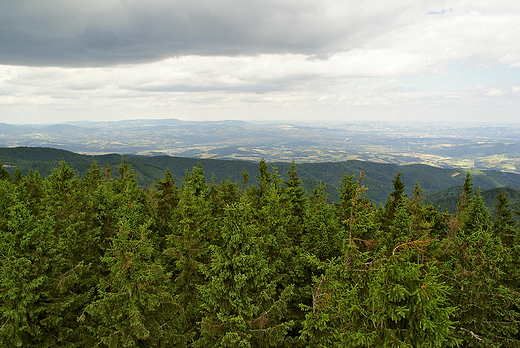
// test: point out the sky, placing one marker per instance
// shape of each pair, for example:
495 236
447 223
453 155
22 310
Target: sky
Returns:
295 61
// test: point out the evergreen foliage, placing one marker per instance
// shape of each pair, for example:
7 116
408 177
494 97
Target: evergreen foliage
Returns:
504 225
465 197
4 174
97 261
240 303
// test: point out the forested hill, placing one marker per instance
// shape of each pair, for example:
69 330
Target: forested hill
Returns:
449 198
378 178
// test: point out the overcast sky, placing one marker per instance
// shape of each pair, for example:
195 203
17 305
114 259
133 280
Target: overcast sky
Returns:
269 60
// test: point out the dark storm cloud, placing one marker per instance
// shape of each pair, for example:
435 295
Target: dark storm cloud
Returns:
99 33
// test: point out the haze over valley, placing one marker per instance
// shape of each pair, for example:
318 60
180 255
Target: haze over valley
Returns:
446 145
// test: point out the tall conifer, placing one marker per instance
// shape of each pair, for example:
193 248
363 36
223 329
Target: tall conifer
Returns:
240 302
135 304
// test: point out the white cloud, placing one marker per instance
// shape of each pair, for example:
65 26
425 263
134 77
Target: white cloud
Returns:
494 93
477 88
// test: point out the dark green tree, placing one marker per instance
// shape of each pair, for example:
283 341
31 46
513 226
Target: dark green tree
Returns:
265 179
475 216
355 212
380 302
486 315
27 272
475 269
167 198
242 307
165 202
323 235
504 224
187 249
135 303
70 220
396 199
465 197
297 203
4 174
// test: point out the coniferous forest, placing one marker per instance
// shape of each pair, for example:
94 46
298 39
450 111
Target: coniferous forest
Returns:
99 262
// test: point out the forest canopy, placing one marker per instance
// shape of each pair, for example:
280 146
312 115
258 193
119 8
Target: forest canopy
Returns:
98 261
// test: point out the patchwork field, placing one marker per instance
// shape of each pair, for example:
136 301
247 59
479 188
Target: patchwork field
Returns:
442 145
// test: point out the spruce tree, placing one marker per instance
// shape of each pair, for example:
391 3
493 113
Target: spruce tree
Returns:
187 249
323 236
265 179
45 220
355 212
395 200
382 293
297 203
165 202
476 216
26 272
4 174
465 197
240 302
135 303
69 219
504 224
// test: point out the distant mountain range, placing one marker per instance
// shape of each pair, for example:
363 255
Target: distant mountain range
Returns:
441 186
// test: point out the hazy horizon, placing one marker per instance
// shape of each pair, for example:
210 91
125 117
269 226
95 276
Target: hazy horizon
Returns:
301 123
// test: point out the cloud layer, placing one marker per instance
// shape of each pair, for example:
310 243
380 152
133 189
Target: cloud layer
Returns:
118 57
93 33
111 32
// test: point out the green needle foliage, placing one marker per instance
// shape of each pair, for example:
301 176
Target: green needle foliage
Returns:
100 262
384 296
240 301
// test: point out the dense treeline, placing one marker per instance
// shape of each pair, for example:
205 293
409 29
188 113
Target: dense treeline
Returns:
439 184
100 262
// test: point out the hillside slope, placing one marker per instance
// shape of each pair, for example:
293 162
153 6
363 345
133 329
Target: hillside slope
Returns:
378 178
449 198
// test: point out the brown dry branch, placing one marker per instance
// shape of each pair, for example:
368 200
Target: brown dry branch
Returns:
317 295
416 244
370 243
